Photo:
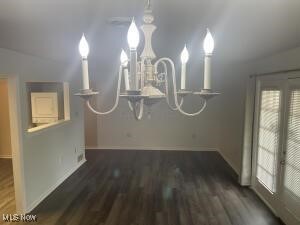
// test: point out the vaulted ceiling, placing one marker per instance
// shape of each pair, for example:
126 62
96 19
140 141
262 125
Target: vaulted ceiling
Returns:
243 29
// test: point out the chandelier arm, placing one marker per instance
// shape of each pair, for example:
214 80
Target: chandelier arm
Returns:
116 101
130 106
169 104
141 111
175 89
167 88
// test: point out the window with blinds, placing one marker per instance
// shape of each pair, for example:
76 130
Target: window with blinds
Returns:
268 138
292 170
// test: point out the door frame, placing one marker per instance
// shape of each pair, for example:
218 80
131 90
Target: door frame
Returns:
285 213
284 76
266 195
16 141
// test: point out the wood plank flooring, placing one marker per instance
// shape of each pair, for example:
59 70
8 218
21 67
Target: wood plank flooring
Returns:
7 193
153 188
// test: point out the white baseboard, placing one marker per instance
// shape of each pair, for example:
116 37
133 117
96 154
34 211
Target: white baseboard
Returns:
152 148
232 165
262 198
52 188
5 157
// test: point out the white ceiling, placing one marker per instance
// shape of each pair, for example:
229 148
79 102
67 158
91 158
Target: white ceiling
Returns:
243 29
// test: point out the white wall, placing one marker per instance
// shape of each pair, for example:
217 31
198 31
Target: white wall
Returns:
43 150
232 113
164 130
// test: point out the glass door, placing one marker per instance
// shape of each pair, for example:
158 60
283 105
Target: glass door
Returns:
290 173
268 126
276 155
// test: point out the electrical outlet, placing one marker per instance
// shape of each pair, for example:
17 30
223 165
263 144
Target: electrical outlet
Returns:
75 150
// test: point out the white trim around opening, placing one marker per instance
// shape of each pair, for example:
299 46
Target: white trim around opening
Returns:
16 141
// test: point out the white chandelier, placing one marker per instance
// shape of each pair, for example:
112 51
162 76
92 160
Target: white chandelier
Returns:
147 80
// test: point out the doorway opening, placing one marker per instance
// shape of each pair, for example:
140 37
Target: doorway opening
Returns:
276 155
17 162
7 190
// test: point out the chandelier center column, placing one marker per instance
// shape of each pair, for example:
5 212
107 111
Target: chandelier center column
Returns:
148 28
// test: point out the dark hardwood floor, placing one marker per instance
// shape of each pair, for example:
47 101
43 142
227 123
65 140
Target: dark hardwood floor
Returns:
153 188
7 193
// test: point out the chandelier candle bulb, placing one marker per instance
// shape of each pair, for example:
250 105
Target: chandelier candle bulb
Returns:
184 60
124 62
183 76
84 52
133 36
124 58
133 71
133 39
208 46
126 78
207 72
85 75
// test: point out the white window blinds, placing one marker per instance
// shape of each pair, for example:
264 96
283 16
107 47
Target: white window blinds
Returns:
268 138
292 170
